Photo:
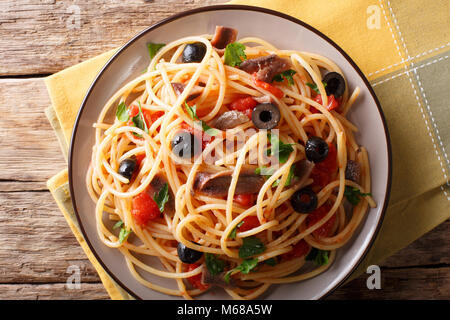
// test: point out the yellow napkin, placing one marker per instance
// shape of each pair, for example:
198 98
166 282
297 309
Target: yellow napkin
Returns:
385 40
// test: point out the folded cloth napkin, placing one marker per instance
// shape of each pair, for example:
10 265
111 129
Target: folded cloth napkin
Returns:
404 53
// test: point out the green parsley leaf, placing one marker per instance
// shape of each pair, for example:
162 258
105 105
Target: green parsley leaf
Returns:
264 171
122 112
271 262
288 180
118 224
192 112
232 234
123 235
139 120
248 265
162 197
354 195
215 265
245 267
153 49
288 75
250 247
209 131
320 257
234 53
284 149
314 86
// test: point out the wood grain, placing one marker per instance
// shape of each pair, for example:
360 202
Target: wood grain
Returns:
414 283
29 148
42 37
36 244
53 291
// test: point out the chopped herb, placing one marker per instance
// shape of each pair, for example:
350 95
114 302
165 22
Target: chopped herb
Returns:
271 262
320 257
288 75
232 234
118 224
314 86
354 195
215 265
209 131
284 149
234 53
162 197
245 267
122 112
153 49
192 112
289 178
124 233
139 121
264 171
251 246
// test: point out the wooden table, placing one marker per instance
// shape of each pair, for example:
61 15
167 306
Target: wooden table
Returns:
36 245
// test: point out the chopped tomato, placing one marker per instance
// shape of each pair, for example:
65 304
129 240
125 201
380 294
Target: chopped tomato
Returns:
139 159
320 178
268 87
144 208
250 222
245 105
156 115
245 200
196 281
300 249
323 171
316 216
133 110
330 162
333 103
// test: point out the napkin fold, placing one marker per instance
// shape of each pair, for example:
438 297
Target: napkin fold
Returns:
400 67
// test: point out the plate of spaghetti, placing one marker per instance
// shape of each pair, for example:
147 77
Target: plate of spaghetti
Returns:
216 157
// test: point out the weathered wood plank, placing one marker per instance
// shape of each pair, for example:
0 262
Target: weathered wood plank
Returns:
39 37
54 291
21 186
432 248
413 283
36 244
29 148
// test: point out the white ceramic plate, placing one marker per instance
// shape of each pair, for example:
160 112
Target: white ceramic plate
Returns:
284 32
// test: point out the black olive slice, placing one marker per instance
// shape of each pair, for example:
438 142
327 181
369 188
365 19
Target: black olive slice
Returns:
193 52
335 84
188 255
127 167
266 116
304 201
316 149
185 145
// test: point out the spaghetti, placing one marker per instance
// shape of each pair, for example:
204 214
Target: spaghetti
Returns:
236 226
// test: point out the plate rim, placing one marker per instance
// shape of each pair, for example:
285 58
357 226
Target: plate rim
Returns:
221 8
